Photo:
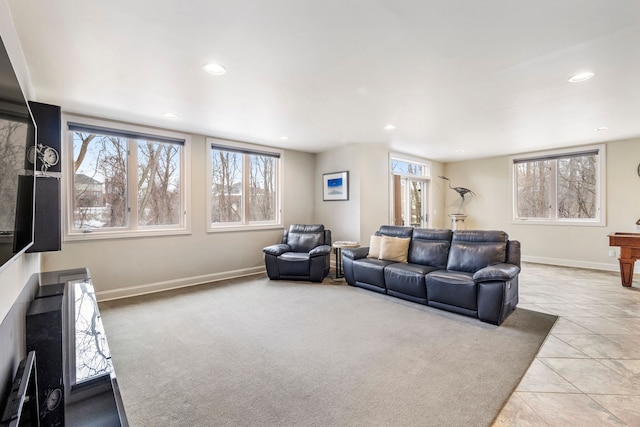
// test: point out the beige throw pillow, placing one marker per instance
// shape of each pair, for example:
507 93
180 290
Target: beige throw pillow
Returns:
374 247
394 248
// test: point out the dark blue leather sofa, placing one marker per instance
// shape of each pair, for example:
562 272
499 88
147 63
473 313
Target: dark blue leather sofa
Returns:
470 272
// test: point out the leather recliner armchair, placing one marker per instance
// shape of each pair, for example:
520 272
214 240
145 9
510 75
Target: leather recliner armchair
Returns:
303 254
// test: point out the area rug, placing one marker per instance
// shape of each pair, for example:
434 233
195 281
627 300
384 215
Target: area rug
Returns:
255 352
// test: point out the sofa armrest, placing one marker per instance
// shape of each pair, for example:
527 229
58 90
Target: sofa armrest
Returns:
356 253
496 272
276 250
321 250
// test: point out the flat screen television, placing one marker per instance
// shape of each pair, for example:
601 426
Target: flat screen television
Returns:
17 135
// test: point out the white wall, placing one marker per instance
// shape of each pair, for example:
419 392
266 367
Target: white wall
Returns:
437 210
341 217
121 267
579 246
374 188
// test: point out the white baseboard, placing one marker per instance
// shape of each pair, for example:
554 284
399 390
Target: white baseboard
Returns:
149 288
614 266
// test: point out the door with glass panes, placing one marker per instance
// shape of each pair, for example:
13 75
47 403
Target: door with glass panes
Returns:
410 196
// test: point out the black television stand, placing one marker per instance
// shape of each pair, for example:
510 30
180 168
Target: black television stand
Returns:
90 393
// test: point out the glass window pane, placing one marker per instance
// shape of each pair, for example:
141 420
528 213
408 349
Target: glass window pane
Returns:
577 187
262 193
99 181
406 168
159 197
532 197
415 198
403 201
226 187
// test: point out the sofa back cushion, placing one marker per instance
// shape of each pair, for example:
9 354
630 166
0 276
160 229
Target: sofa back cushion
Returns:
304 237
394 231
430 247
472 250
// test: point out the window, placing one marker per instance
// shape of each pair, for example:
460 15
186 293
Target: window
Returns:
244 186
125 181
410 196
560 187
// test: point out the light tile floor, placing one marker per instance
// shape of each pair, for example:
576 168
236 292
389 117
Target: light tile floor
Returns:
587 372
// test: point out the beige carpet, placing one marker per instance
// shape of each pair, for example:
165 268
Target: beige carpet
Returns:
255 352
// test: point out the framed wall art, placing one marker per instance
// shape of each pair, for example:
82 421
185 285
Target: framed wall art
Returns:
335 186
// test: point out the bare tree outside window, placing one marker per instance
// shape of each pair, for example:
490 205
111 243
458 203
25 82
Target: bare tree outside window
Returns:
100 181
226 187
577 187
262 198
532 180
104 171
564 187
158 183
243 187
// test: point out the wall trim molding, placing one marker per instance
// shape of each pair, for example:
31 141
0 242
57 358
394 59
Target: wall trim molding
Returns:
149 288
572 263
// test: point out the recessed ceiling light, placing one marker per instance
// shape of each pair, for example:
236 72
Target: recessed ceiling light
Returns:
389 127
284 138
170 116
460 151
581 77
602 128
215 69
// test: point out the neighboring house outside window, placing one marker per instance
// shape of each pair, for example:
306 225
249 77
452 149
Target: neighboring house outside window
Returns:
125 180
560 187
244 186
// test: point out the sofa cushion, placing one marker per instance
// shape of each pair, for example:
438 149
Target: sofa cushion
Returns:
374 247
370 271
394 248
472 250
293 264
407 279
303 238
430 247
455 288
395 231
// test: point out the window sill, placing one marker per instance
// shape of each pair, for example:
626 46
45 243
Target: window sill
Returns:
237 227
562 223
125 234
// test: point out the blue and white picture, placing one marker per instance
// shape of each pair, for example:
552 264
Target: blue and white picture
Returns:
336 186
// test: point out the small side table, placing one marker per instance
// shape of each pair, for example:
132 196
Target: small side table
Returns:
338 247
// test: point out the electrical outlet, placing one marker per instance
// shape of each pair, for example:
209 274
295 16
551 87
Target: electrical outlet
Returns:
612 253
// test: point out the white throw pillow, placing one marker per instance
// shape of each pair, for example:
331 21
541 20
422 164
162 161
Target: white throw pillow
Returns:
374 247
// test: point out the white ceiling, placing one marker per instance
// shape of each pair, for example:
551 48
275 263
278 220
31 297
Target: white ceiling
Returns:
487 77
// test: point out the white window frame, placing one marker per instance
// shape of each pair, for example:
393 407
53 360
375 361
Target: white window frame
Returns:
132 230
425 177
245 225
601 161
